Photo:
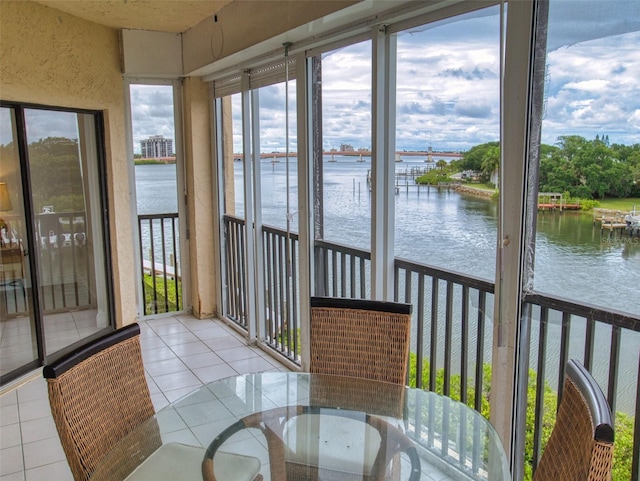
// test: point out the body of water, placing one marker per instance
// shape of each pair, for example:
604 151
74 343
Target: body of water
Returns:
453 231
573 259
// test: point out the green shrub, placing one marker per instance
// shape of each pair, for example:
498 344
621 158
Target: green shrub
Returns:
433 177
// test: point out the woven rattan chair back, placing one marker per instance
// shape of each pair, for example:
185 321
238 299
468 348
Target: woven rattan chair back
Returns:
581 443
360 338
98 394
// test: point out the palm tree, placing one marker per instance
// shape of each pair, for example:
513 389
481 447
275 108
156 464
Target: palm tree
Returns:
491 161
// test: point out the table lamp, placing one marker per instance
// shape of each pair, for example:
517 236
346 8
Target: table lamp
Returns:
5 205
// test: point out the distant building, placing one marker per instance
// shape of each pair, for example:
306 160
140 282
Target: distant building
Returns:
346 148
156 147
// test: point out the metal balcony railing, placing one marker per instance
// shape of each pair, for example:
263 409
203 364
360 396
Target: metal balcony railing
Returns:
235 290
342 271
562 330
63 259
452 311
452 329
159 255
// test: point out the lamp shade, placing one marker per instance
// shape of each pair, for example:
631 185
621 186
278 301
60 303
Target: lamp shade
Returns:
5 200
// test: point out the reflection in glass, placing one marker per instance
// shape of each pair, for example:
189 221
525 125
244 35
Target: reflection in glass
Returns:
68 231
17 329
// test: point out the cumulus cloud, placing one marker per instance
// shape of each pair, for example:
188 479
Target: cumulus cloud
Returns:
151 112
476 73
46 123
447 85
592 83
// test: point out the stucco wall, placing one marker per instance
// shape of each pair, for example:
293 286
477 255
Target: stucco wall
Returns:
51 58
197 144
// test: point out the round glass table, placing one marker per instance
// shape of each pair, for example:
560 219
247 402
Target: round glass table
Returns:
300 426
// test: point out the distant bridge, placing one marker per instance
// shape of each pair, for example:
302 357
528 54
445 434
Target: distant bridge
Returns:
363 153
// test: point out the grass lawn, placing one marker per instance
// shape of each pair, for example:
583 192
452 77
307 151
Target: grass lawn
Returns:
621 204
626 205
164 301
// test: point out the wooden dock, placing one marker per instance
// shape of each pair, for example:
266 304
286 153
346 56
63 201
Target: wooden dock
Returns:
554 201
559 206
614 220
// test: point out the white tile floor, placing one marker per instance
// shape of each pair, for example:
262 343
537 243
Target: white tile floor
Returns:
180 354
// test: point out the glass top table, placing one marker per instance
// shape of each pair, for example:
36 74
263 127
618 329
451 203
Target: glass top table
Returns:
311 426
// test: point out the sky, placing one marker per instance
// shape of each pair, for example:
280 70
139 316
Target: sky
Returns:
447 86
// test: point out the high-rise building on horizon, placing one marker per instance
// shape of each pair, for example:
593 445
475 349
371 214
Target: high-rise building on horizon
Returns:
156 147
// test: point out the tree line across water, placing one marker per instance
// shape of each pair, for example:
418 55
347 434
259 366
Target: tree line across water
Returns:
584 169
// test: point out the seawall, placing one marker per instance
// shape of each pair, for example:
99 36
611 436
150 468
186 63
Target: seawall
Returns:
474 191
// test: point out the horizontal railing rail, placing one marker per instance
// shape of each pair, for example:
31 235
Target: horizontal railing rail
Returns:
160 263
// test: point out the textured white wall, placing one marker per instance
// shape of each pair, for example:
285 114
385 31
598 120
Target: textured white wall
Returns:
52 58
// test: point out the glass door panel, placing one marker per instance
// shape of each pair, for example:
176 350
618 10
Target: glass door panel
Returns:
277 213
447 130
69 251
343 172
234 282
18 346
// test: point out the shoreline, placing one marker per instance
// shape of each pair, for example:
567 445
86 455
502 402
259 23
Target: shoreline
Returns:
475 191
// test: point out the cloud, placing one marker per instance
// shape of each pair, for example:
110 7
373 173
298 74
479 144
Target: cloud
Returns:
46 123
475 110
592 86
151 112
475 74
447 85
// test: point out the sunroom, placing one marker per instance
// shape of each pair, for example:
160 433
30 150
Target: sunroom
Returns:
300 128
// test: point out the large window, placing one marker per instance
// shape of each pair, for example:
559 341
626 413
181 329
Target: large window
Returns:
346 146
157 177
447 123
587 248
278 173
590 155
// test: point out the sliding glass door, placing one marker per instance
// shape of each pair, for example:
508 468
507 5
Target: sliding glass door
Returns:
54 284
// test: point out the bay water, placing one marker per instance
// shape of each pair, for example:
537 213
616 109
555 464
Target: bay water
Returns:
446 229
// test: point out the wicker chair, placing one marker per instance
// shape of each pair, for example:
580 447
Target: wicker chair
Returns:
356 339
360 338
581 443
98 395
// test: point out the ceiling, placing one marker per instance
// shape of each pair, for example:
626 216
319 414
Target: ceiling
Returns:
173 16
